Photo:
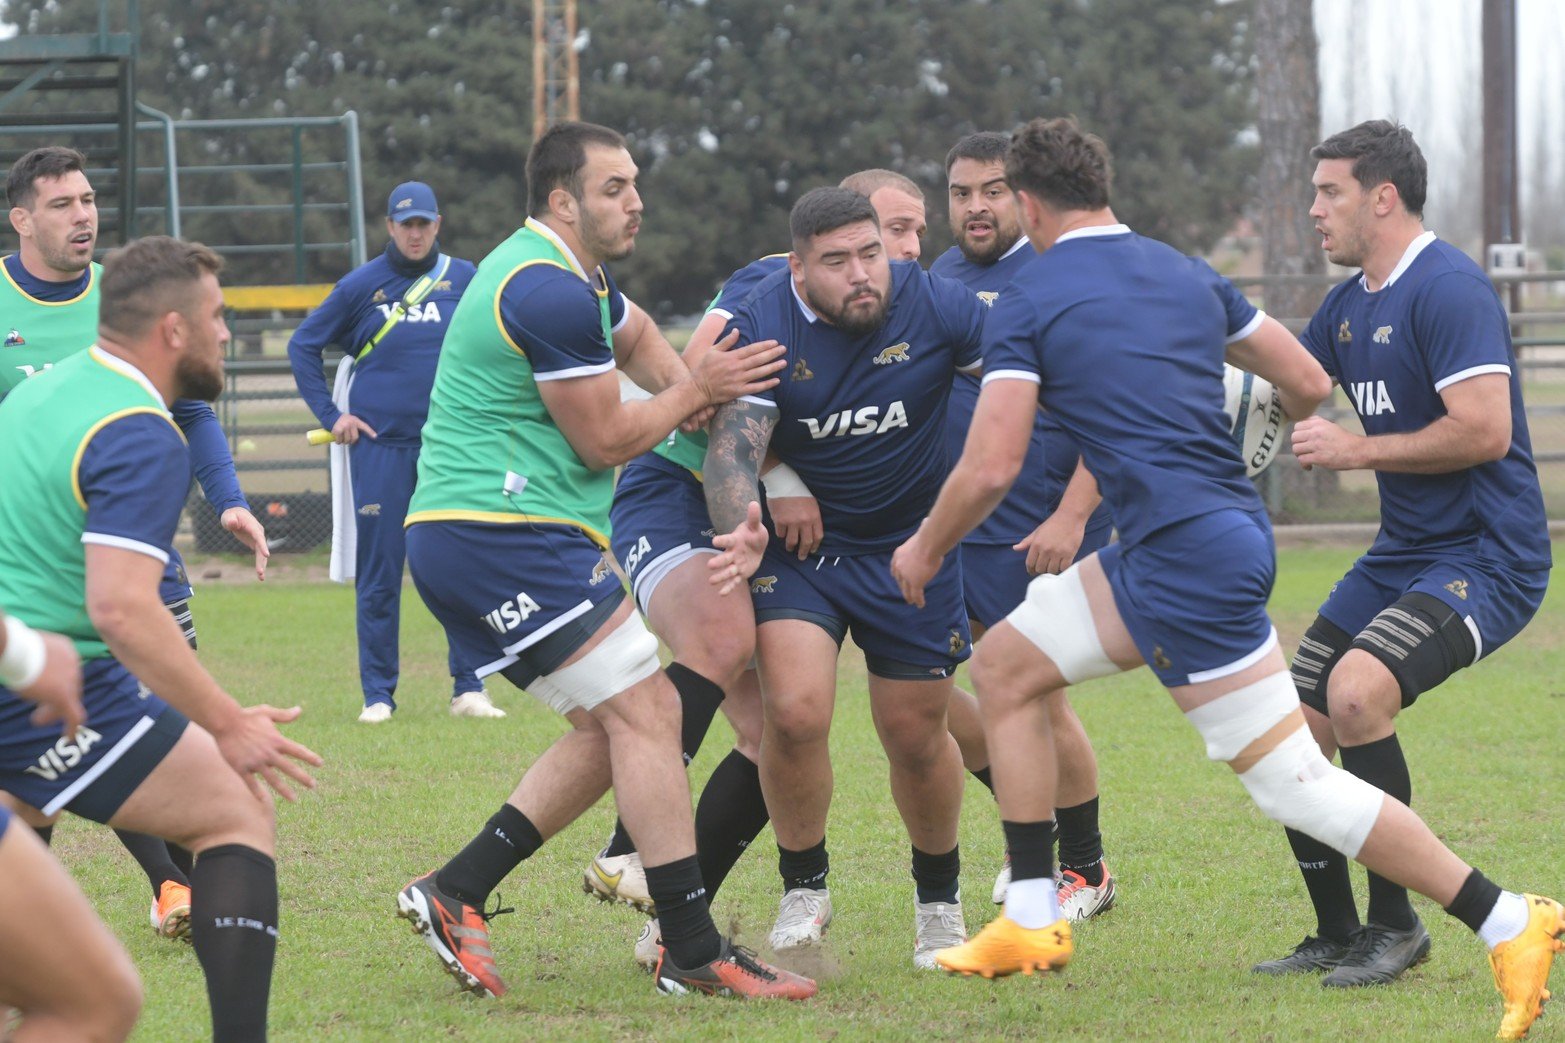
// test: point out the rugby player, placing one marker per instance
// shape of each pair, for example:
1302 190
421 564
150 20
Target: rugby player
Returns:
92 483
505 537
49 294
75 980
1044 523
872 345
1185 588
1421 342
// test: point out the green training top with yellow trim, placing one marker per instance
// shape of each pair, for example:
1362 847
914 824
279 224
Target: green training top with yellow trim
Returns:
50 510
491 451
40 333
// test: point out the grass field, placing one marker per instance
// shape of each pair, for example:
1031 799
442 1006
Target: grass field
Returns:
1207 885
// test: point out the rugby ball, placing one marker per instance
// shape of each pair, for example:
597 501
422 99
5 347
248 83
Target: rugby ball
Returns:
1255 417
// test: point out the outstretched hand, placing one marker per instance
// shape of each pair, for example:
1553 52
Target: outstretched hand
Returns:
253 746
739 551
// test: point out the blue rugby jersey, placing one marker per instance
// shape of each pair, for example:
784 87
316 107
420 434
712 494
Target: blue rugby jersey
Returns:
738 287
1051 458
1126 337
390 389
862 418
1435 322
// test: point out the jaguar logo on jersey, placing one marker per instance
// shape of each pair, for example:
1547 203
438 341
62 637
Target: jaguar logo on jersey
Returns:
1382 335
1458 587
600 572
1344 335
989 297
65 754
1161 660
763 585
370 510
866 420
802 371
380 295
956 643
14 339
895 353
443 286
511 614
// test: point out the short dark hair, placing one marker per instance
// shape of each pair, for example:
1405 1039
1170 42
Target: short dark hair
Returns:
49 162
868 182
822 210
986 146
1060 164
1382 151
147 278
556 159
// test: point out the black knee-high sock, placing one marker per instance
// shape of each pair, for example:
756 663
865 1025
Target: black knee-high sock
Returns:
731 813
152 854
983 775
1081 841
1381 763
45 833
806 868
181 857
233 919
935 875
1325 875
684 919
506 839
1031 845
699 699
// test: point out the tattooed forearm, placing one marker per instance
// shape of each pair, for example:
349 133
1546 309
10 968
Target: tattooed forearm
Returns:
740 434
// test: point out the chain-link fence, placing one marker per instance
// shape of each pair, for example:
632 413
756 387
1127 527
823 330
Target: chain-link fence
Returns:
288 484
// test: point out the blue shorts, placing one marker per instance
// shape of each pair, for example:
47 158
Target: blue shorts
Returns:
1193 594
995 577
128 732
518 599
659 521
857 593
175 585
1496 602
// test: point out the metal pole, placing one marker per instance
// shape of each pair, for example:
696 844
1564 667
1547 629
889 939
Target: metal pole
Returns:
170 168
1501 209
298 204
350 121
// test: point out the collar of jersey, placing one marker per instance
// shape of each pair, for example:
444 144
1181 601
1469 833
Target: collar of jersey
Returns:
549 234
121 366
1020 242
1092 232
809 315
1409 255
85 279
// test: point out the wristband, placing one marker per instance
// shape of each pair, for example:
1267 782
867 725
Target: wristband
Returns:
24 657
782 482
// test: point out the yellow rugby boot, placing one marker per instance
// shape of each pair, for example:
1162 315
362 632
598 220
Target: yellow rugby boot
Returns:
1005 947
1521 965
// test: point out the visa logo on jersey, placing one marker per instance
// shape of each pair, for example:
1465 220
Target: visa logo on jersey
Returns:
1371 398
866 420
429 311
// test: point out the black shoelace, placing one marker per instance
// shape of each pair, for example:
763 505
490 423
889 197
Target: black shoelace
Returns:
748 962
496 911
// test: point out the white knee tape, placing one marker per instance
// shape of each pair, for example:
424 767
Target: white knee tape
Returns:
1297 786
1231 722
625 657
1293 784
1057 617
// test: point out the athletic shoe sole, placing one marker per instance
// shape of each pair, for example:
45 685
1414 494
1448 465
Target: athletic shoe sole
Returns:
413 907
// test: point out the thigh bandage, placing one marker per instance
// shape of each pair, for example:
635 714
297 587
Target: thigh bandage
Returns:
1259 731
1057 617
623 658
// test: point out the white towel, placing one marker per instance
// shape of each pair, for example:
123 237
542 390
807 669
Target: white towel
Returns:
344 522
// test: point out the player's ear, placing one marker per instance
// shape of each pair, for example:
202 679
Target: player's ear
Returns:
1386 198
795 265
21 220
563 204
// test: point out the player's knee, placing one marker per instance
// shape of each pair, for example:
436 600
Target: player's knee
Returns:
798 723
993 684
721 655
910 737
650 707
1361 694
1296 786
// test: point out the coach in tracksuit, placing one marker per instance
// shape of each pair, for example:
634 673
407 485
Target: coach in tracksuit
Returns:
389 316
